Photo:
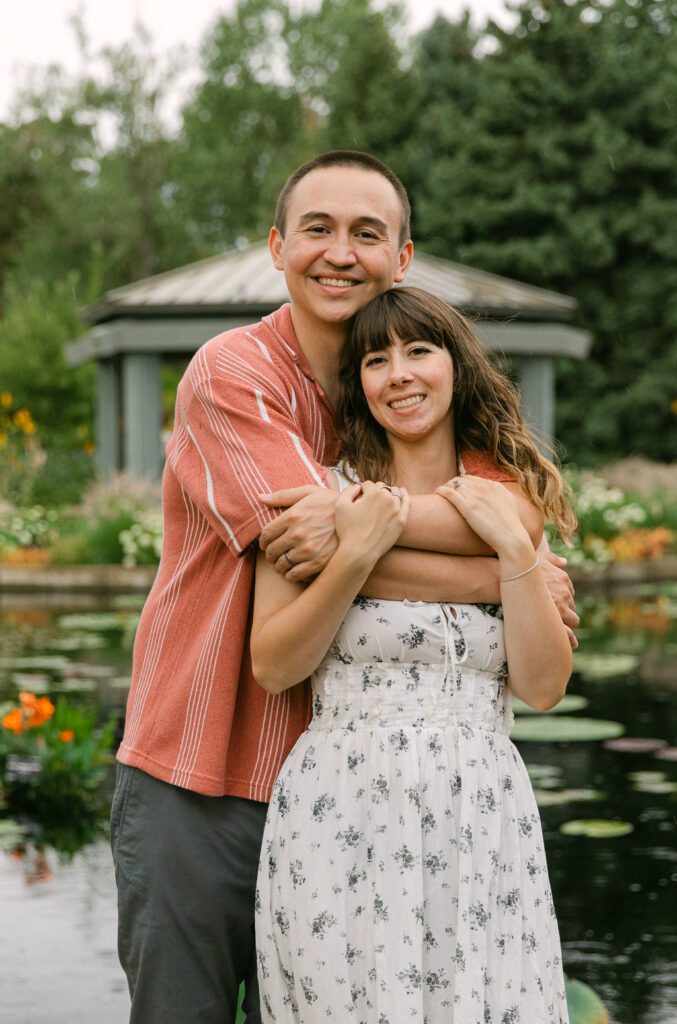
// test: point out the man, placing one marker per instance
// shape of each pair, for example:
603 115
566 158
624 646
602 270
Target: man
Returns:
203 742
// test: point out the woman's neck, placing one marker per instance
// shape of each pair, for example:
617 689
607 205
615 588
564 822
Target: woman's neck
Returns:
423 465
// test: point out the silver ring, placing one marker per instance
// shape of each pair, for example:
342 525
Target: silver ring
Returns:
290 560
385 487
455 483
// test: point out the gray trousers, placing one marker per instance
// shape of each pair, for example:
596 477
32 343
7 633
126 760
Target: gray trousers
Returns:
185 867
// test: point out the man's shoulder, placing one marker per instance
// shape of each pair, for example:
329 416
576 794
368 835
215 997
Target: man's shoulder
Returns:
259 345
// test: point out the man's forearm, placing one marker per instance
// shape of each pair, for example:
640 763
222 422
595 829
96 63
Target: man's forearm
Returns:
404 574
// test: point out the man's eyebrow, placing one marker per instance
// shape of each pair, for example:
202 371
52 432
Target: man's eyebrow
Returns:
374 222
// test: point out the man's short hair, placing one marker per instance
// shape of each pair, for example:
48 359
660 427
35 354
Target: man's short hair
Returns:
345 158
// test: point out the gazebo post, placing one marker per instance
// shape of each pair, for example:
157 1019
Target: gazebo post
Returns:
108 447
537 394
142 414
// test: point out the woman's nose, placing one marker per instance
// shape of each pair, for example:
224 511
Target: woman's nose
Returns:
399 371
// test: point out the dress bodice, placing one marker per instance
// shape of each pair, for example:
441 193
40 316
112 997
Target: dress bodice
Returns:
414 664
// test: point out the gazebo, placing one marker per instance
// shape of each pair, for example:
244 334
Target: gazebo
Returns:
136 327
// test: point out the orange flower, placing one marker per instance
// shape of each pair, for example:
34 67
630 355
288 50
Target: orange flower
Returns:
14 720
66 735
37 709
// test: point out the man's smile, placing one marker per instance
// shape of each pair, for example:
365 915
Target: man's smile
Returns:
336 282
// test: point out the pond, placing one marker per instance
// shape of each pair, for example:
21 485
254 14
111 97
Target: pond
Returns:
615 894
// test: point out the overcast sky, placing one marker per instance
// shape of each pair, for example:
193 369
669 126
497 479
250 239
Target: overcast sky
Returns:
37 32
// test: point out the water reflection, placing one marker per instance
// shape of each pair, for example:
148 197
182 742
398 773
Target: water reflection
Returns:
615 897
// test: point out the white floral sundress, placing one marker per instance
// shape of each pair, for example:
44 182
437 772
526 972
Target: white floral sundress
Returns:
402 874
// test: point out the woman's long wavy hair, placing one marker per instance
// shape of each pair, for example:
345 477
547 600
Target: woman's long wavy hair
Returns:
485 406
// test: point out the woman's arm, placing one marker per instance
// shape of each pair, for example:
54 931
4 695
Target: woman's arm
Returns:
293 626
435 525
537 647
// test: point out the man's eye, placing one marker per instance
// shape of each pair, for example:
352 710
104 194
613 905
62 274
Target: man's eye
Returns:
317 229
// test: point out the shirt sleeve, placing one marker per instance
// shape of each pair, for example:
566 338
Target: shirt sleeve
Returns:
481 464
236 437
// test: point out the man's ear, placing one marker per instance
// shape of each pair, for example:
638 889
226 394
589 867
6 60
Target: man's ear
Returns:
275 246
404 260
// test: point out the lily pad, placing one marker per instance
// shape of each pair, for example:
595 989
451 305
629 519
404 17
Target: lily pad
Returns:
596 828
601 666
560 728
555 797
635 744
35 682
569 702
538 772
667 754
50 663
584 1005
95 621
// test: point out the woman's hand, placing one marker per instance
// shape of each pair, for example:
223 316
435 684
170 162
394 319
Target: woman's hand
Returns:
369 518
490 509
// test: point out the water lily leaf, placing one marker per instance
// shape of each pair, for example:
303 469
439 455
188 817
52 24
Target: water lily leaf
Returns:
77 684
35 682
552 798
667 754
569 702
93 621
558 728
647 776
600 666
635 744
596 828
53 663
664 787
80 642
538 772
584 1005
120 683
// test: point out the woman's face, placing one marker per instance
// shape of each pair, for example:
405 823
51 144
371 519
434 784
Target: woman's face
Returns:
408 387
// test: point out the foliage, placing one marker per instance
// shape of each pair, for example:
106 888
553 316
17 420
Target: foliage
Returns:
552 160
614 526
52 756
545 152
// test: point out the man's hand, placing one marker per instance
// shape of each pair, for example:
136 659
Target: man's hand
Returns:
561 590
304 534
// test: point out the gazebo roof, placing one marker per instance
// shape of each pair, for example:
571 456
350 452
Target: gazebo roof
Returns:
245 281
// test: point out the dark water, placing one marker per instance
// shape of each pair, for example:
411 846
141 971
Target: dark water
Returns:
615 898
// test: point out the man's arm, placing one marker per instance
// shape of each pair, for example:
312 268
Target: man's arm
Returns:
305 530
403 574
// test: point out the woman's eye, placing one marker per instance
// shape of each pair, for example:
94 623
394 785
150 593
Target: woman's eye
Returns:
374 360
419 350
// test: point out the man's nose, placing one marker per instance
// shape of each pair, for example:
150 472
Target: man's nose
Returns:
340 250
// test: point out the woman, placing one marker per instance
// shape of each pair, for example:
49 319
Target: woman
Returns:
402 872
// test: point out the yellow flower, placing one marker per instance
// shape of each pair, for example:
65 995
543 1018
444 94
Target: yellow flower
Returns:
673 406
5 399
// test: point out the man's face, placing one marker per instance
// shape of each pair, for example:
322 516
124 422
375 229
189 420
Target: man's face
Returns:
340 246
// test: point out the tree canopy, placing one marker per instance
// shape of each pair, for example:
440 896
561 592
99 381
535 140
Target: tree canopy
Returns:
547 153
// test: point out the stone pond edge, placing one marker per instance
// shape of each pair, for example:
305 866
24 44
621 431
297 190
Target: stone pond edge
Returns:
118 579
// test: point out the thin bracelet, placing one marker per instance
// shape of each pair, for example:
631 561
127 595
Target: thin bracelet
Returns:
530 569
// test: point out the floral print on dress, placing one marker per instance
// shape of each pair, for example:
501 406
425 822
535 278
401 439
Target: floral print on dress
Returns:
403 876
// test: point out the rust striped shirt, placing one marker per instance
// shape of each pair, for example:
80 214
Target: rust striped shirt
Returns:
250 418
